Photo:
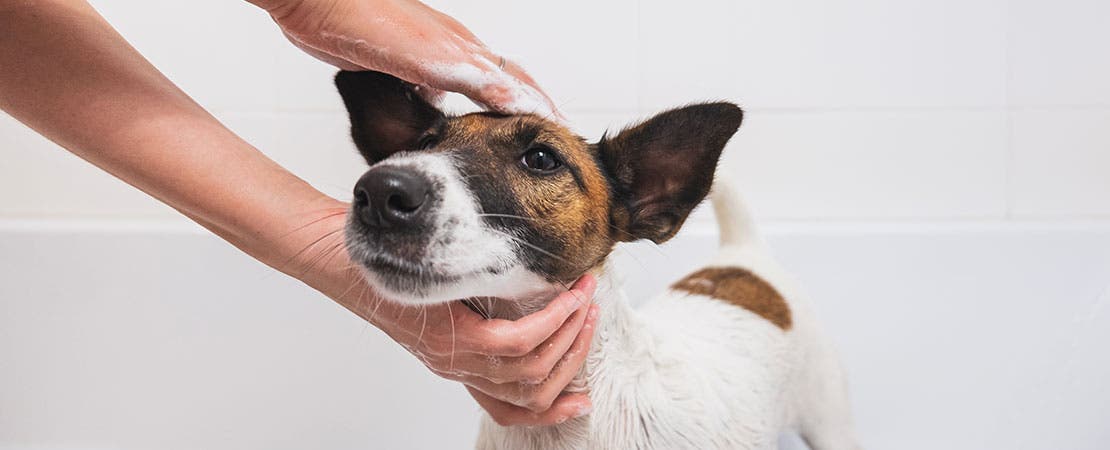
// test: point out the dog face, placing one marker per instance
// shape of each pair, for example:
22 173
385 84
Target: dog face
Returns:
512 206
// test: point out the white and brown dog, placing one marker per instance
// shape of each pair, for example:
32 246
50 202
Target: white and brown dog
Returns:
516 207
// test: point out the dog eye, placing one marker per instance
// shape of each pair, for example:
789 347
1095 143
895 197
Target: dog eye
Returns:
540 159
427 141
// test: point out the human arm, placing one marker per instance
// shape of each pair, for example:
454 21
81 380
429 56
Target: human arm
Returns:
67 74
411 41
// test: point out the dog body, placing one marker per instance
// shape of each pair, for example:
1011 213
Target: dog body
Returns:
508 210
689 370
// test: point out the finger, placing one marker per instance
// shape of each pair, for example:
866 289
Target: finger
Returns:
430 94
518 72
539 397
508 94
494 83
532 368
517 338
567 406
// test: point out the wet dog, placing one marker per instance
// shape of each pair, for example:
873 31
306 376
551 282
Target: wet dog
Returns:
516 207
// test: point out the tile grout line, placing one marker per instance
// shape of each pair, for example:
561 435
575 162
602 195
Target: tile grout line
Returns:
1008 119
694 228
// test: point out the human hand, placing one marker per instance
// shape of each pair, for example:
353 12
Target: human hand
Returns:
411 41
516 370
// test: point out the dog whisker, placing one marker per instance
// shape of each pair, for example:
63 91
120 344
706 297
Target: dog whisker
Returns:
451 361
331 249
354 283
309 247
375 311
335 212
507 216
530 245
423 325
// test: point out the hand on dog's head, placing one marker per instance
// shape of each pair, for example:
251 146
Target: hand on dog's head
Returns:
485 204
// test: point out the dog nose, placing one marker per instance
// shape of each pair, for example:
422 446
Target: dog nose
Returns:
390 196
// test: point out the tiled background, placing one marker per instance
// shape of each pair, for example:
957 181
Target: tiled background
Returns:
859 110
175 341
936 172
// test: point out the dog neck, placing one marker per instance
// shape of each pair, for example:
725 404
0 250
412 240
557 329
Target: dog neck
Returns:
616 317
620 336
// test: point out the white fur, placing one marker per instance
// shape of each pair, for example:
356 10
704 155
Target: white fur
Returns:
692 372
683 371
458 229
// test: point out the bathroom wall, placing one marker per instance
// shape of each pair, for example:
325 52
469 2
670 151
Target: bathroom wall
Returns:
941 110
937 172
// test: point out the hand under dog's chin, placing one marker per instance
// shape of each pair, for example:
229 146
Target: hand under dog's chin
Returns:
514 284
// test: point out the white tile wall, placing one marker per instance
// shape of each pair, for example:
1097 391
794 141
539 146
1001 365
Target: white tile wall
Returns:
858 109
820 54
208 349
872 165
223 53
1061 164
1058 52
583 52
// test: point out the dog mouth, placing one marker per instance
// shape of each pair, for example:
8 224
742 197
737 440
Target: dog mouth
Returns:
414 272
409 277
440 270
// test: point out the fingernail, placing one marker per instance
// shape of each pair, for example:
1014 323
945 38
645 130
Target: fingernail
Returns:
592 315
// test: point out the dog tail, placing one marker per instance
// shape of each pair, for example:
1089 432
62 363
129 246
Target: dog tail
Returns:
733 219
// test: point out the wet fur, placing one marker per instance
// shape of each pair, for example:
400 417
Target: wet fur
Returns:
693 368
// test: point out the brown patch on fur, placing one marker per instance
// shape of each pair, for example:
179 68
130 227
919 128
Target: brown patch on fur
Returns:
567 212
640 184
739 287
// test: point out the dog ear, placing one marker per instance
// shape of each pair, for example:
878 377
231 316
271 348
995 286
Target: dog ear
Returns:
662 168
387 114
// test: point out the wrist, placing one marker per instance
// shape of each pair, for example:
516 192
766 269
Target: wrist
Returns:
304 226
316 254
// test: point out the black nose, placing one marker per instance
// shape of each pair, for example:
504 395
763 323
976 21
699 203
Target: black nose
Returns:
391 196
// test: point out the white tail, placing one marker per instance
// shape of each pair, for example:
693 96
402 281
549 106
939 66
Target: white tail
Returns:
735 223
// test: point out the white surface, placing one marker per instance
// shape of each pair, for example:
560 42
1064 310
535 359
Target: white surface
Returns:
820 54
1053 56
968 333
955 337
858 109
872 165
1061 163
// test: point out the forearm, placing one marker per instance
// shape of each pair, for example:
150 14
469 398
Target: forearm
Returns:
67 74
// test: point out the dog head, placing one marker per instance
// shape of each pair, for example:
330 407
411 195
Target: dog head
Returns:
512 206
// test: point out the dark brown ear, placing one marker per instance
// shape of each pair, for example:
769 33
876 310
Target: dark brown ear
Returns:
387 115
662 168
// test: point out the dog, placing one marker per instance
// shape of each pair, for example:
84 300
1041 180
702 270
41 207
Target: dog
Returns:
516 207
